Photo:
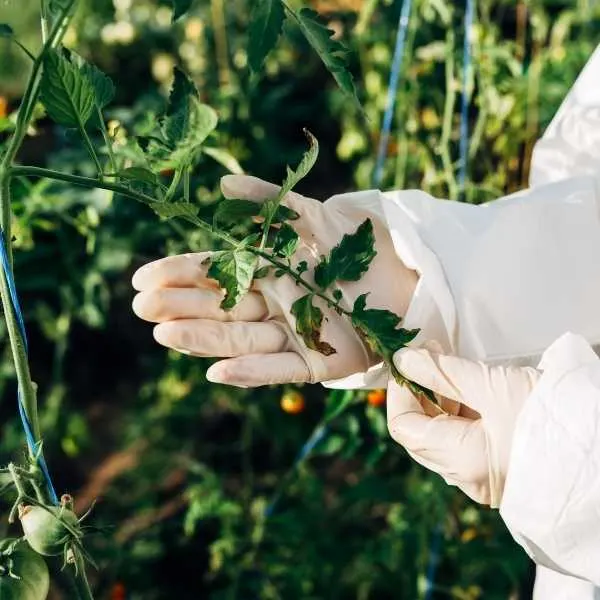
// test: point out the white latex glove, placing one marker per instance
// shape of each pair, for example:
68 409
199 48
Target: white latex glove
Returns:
471 449
258 337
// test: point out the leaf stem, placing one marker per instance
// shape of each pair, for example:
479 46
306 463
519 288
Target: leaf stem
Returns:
91 150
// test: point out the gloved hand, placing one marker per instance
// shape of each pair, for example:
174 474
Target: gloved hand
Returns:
471 448
258 337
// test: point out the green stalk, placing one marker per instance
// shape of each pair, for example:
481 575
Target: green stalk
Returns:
222 235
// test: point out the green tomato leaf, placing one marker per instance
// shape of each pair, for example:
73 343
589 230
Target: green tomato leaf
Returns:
379 328
301 267
350 259
302 170
265 28
262 272
171 210
286 241
6 31
140 174
270 206
232 211
104 88
309 319
66 93
224 158
176 125
180 7
332 52
234 270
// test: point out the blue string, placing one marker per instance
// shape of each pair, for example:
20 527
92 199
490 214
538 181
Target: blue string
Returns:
464 116
392 91
317 435
33 446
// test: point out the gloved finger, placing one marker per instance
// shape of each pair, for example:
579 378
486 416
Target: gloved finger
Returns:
203 337
246 187
449 376
451 446
182 270
168 304
260 369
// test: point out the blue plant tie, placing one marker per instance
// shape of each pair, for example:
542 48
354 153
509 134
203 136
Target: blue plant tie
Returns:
464 113
434 559
34 447
392 92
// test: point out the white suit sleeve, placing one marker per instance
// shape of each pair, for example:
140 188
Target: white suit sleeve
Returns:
501 281
552 491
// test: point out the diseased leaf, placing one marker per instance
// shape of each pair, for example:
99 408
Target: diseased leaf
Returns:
170 210
6 31
332 52
180 7
379 328
224 158
309 319
234 271
66 93
265 28
286 241
350 259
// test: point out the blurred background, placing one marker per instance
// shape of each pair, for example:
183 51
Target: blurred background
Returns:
182 470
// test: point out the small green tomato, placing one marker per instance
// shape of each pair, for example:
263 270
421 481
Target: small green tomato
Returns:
46 528
23 573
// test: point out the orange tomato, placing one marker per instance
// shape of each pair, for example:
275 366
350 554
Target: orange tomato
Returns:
292 402
3 107
118 591
376 397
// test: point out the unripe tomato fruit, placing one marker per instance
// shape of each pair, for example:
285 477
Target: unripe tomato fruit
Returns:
30 568
44 528
376 397
292 402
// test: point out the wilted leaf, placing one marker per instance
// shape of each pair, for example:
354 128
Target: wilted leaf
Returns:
234 271
286 241
331 52
265 27
379 328
309 319
66 94
177 122
350 259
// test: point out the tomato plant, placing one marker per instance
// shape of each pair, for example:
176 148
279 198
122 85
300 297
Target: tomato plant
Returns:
23 572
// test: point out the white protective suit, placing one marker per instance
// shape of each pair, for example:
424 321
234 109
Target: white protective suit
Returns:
500 283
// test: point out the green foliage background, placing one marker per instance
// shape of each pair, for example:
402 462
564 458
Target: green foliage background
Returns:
183 470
